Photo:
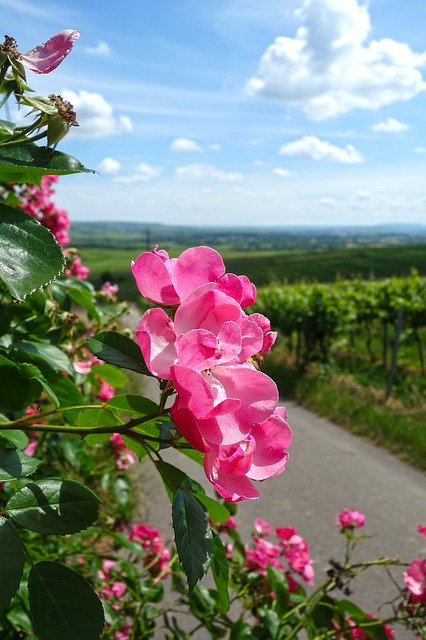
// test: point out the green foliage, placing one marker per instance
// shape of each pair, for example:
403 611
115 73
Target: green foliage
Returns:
63 605
14 465
54 506
29 255
193 536
11 562
116 348
29 163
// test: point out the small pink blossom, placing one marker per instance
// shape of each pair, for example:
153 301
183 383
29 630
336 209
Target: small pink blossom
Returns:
82 366
46 57
422 529
262 527
123 633
108 289
415 580
350 519
106 391
158 557
78 270
124 457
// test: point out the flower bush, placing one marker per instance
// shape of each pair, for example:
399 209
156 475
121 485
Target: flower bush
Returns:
73 563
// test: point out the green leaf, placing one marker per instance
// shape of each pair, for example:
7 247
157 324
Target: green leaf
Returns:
14 465
115 348
30 257
7 126
18 439
323 612
81 296
217 512
43 352
174 478
102 417
133 404
63 605
278 584
29 163
68 395
11 562
54 506
193 536
110 374
17 388
220 570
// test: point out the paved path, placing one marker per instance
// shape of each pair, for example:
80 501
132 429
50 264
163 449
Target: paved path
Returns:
329 469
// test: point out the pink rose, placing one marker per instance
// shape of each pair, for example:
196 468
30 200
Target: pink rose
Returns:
422 529
415 580
262 527
46 57
350 519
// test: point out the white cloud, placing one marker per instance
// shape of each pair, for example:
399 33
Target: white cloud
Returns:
364 196
328 68
206 171
101 49
109 166
419 150
330 203
282 173
315 149
214 147
143 173
184 145
95 115
390 125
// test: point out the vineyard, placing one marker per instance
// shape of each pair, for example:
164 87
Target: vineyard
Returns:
317 317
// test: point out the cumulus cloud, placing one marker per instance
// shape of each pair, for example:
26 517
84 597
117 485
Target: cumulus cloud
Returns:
102 49
315 149
143 173
207 172
390 125
330 203
109 166
96 116
184 145
282 173
329 68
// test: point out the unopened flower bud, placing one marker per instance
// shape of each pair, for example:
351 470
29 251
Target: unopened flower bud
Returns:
57 129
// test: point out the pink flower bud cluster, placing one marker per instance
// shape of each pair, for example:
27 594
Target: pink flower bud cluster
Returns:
124 457
289 553
224 407
157 557
37 202
356 633
350 519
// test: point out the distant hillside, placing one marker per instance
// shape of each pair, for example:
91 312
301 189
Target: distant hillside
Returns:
265 266
140 236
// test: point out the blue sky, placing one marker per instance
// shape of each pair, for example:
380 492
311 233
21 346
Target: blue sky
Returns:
239 112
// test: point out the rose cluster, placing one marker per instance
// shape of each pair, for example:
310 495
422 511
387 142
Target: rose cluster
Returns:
207 347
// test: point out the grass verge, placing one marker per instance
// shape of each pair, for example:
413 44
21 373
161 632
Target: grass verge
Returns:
354 408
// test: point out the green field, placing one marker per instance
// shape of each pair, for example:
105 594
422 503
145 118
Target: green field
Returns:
265 266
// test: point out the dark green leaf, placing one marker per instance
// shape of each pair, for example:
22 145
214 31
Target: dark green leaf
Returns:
54 506
323 612
133 404
17 389
7 126
11 562
14 464
45 352
115 348
29 163
18 439
193 536
174 478
240 630
220 570
63 605
30 257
